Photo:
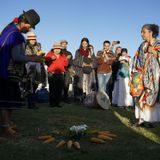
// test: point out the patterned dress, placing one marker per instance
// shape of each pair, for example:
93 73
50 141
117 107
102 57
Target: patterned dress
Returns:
147 106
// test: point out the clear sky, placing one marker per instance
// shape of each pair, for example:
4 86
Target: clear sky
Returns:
98 20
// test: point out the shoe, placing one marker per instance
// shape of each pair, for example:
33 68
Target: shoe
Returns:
13 126
150 125
8 131
126 108
137 124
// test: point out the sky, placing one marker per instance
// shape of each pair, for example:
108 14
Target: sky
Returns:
98 20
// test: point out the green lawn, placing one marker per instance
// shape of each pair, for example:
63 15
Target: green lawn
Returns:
131 143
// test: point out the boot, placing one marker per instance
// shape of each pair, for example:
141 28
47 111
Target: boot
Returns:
8 131
13 126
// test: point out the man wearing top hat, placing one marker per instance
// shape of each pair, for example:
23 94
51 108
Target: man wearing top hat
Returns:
12 60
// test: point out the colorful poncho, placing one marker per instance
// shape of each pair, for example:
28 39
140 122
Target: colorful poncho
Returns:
9 38
151 75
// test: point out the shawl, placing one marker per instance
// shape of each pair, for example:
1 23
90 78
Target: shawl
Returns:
151 76
9 38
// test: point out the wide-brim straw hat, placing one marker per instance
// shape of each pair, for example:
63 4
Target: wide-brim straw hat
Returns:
57 45
31 36
103 100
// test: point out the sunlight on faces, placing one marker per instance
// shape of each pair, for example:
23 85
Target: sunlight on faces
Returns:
146 34
118 51
106 46
57 50
64 45
142 131
32 41
124 53
84 45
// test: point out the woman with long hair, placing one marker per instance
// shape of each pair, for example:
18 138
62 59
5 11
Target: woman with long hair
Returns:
84 63
124 99
146 62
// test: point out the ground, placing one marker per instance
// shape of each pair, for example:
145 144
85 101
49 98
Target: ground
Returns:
130 144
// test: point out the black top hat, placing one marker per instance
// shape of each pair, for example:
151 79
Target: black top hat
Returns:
32 17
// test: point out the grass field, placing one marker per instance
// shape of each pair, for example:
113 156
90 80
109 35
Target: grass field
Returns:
131 143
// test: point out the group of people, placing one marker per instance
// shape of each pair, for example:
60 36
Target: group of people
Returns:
23 66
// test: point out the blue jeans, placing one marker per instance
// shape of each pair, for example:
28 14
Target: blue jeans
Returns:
103 80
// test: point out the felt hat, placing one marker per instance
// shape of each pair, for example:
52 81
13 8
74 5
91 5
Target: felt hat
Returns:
32 17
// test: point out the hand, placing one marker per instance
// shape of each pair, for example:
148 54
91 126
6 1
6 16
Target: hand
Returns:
53 57
39 53
104 52
114 43
122 61
120 58
151 50
69 57
89 56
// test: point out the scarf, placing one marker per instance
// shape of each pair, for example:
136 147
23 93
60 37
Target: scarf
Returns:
83 52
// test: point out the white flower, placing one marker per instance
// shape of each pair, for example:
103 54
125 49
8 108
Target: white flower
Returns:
79 128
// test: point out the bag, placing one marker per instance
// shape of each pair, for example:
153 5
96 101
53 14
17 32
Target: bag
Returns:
87 60
124 72
137 86
42 95
90 100
87 70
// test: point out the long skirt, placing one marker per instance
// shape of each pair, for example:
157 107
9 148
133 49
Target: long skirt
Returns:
10 94
115 92
148 114
124 97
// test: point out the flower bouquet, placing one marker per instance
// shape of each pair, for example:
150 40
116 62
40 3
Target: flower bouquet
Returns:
77 132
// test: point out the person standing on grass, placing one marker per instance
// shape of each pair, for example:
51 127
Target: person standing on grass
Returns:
84 65
147 59
115 68
104 59
12 59
35 71
124 99
56 62
67 75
